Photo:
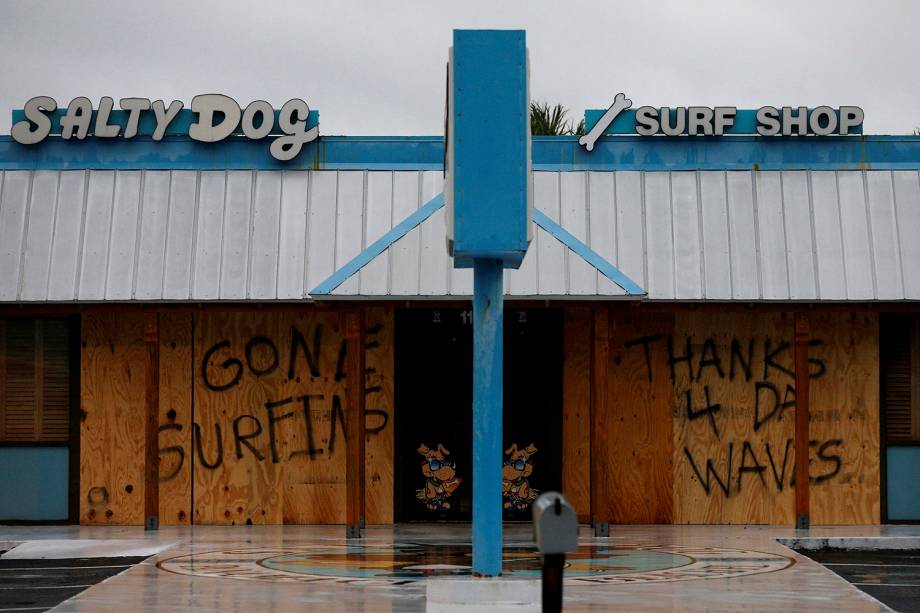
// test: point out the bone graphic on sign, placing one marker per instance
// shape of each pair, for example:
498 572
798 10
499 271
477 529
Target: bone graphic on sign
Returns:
620 104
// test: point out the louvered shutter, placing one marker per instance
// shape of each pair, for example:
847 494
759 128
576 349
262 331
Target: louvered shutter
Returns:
34 381
55 407
901 380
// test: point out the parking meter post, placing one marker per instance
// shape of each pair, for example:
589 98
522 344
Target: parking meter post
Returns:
555 531
553 565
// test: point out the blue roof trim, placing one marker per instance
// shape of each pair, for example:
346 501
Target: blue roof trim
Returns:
730 153
587 254
234 153
554 153
378 247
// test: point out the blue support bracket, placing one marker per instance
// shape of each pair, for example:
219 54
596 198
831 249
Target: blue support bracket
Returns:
589 255
434 205
379 246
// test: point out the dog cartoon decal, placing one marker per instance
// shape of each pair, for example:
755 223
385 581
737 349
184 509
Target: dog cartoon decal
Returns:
441 478
515 486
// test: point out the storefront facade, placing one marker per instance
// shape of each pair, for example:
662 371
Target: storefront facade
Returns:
227 291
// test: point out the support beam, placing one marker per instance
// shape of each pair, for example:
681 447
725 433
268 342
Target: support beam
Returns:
802 417
151 414
600 357
488 385
354 434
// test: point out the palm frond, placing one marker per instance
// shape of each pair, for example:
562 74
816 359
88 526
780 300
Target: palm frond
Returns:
546 120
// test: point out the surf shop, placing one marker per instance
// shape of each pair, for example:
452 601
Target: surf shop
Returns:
200 327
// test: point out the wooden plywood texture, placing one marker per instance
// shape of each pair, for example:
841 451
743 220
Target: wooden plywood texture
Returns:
282 425
638 487
316 503
576 414
269 400
602 464
112 418
844 462
379 415
733 418
697 424
175 421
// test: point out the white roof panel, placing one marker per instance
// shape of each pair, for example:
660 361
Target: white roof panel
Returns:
273 235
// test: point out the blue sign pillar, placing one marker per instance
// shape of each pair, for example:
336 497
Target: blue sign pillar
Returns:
488 192
488 388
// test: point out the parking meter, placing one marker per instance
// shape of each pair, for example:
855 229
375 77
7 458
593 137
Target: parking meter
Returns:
555 529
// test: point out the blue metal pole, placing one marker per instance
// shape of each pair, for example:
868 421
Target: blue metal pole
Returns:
488 307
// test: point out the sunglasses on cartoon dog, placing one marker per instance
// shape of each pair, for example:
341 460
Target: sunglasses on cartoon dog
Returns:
518 464
435 464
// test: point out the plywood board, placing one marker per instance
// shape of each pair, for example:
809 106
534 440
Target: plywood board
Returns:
237 483
576 410
638 487
279 414
175 421
273 464
659 460
112 364
844 462
733 417
379 420
316 503
740 447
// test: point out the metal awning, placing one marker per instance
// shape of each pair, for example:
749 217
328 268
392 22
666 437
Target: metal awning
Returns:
271 235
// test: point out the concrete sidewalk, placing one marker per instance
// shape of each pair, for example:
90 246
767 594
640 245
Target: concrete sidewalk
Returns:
297 568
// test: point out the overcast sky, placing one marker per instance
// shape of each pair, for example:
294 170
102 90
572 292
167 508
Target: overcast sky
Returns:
378 67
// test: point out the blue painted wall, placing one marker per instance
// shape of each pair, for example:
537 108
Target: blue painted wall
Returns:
34 483
904 483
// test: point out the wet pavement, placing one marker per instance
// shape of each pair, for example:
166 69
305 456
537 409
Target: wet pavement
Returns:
891 576
297 568
38 585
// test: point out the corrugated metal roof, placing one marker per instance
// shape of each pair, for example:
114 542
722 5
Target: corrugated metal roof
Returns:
273 235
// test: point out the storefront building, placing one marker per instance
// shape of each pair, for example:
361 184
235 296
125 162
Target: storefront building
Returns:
209 297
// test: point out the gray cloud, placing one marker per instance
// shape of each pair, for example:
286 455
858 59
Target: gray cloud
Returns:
378 67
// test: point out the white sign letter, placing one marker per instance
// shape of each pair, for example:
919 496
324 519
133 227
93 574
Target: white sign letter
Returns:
103 128
829 125
134 106
799 120
293 121
850 117
664 116
725 118
266 116
646 121
79 114
164 116
699 117
767 121
34 110
206 106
